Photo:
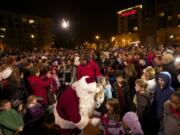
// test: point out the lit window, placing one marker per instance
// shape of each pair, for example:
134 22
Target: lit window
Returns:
169 18
32 36
135 28
179 25
178 16
161 14
2 36
31 21
171 36
3 29
24 20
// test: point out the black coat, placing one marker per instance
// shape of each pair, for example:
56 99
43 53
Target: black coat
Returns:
125 94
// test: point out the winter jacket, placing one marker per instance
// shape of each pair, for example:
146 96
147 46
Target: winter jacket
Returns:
12 90
91 69
143 101
151 85
162 95
39 88
108 91
170 67
171 121
10 121
125 96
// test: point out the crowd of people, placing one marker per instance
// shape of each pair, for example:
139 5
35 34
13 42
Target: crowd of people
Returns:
141 89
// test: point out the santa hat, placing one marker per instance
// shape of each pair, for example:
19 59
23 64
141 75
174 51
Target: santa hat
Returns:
6 73
88 83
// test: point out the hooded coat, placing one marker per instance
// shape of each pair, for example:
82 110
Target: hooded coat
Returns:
162 95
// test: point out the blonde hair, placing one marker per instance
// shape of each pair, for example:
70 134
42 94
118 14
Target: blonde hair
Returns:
167 58
151 72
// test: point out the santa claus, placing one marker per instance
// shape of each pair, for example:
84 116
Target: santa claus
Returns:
75 105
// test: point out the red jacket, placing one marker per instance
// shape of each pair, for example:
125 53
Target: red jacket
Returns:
91 69
39 87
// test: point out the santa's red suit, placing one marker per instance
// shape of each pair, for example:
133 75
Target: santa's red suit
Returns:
75 106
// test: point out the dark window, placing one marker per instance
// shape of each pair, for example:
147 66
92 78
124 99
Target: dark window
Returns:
150 8
131 24
162 22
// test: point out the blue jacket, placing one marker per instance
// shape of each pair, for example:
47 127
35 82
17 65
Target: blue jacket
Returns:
108 91
162 95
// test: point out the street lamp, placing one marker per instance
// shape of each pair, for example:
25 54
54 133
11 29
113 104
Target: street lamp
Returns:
123 40
171 36
97 37
65 24
112 39
32 36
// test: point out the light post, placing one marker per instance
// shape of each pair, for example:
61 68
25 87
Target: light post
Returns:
123 40
97 37
66 37
65 24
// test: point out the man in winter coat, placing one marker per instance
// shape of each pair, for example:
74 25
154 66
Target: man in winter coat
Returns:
88 67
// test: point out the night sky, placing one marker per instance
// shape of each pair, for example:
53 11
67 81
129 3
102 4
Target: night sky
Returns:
87 17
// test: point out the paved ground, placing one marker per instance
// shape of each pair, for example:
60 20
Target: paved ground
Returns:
90 130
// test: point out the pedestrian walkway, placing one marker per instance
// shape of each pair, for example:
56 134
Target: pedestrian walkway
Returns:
90 130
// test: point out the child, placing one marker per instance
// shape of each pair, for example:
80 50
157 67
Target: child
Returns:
107 88
141 99
131 124
163 91
111 122
34 116
172 115
149 75
122 93
10 121
34 109
19 107
142 102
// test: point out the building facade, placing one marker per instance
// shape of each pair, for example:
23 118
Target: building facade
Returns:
129 20
129 26
24 32
157 22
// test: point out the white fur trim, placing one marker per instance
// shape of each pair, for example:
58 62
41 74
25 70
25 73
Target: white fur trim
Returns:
64 124
6 73
86 86
83 122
